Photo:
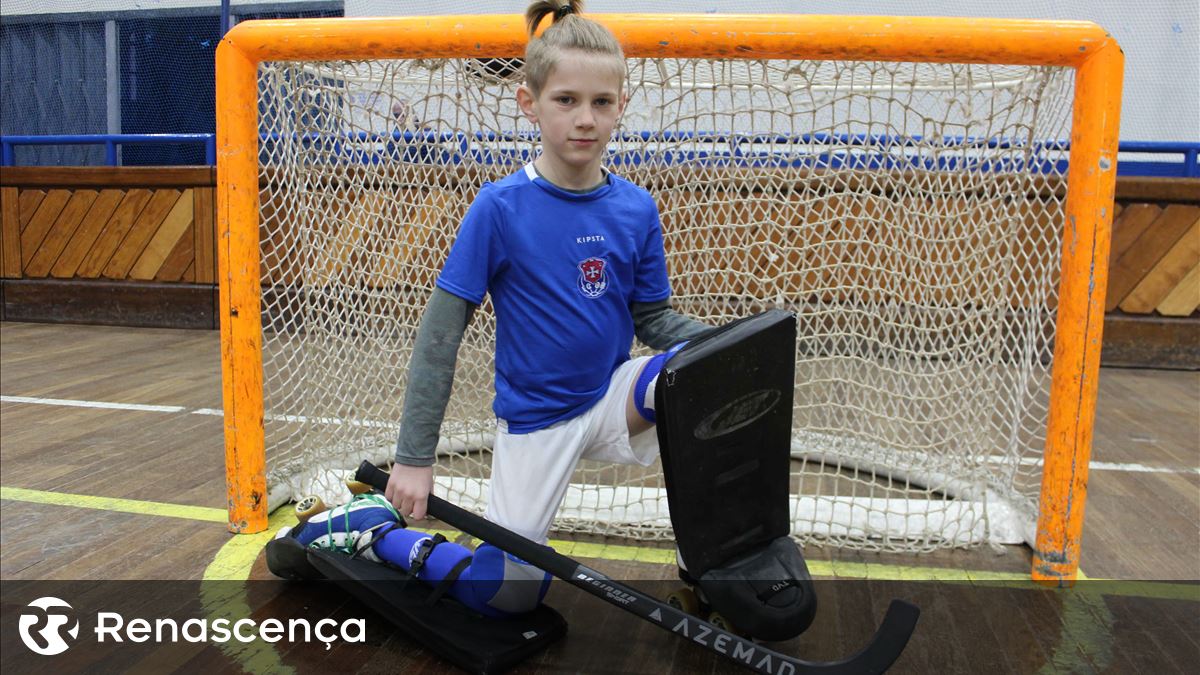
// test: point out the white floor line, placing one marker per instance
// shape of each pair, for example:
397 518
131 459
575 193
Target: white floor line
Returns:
1122 466
1128 467
92 404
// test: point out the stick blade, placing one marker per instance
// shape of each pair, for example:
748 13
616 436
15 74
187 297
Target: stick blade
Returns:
885 646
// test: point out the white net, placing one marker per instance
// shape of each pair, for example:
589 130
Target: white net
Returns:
909 213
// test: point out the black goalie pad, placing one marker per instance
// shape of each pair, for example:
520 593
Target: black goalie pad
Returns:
724 409
469 640
767 593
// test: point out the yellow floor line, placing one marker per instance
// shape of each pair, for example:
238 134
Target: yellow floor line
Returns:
138 506
233 562
236 557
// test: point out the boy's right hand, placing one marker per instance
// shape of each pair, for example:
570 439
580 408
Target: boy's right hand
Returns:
408 489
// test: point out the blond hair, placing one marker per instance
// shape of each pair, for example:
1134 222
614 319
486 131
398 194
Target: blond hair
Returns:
569 31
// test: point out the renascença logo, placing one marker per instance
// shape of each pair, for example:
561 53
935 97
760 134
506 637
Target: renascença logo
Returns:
42 631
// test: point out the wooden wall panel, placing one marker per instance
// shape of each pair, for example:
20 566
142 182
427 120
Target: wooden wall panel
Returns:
1143 233
1158 190
166 235
113 233
177 263
1127 271
150 224
65 227
1166 274
140 233
60 233
1129 225
40 223
85 235
926 250
29 202
204 268
1185 298
10 233
108 176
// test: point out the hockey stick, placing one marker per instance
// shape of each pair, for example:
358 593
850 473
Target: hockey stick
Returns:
885 647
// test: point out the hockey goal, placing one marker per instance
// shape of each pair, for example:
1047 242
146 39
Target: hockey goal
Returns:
932 197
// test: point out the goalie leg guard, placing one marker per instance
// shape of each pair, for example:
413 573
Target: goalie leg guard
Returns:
724 406
454 620
489 581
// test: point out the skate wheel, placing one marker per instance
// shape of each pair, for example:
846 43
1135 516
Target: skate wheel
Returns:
724 624
308 507
357 487
684 600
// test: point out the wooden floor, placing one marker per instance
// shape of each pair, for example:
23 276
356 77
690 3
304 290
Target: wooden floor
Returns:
136 493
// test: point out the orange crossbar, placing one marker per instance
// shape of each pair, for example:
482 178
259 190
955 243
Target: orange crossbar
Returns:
1095 56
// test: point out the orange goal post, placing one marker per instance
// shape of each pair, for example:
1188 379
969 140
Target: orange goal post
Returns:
932 196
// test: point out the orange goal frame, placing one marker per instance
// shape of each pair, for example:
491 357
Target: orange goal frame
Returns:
1093 54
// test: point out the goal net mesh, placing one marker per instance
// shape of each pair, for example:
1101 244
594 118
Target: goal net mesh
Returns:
909 213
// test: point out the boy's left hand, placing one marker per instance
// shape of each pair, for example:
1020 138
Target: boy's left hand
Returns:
408 489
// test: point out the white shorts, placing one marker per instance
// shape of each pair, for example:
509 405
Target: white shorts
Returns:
530 472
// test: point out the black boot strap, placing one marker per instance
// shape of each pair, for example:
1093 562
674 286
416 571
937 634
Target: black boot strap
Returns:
451 576
424 549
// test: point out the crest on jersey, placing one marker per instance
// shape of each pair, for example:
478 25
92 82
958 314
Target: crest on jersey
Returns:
593 277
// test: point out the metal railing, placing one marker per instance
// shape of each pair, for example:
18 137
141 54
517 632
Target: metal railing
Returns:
1189 168
110 142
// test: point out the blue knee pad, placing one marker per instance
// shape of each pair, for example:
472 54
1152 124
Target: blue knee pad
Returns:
490 581
504 583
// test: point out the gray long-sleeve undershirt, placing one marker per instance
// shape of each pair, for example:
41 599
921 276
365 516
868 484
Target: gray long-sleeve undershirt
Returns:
431 369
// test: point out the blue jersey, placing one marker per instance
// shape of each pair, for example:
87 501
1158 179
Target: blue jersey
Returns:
562 269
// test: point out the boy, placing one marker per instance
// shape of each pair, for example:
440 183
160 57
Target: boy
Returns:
573 259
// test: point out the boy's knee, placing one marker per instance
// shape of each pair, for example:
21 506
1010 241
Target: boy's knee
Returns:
505 584
642 396
488 581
